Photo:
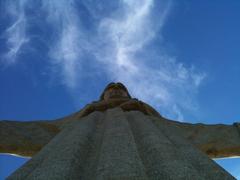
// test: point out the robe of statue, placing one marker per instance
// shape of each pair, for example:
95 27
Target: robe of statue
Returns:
119 137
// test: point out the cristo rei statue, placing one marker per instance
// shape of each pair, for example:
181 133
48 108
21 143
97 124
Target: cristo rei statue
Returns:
119 137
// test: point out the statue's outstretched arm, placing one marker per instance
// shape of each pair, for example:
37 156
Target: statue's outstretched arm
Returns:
217 140
25 138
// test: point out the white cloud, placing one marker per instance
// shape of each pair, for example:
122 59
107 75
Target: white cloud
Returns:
171 86
121 48
16 34
68 45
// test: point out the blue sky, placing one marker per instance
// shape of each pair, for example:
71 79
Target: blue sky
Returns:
182 57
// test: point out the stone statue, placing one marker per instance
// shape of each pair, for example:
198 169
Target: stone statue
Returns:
119 137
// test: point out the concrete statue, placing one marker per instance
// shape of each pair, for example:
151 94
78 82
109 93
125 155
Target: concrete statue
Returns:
119 137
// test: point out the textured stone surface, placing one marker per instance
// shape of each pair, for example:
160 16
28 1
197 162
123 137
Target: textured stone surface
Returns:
118 154
119 137
120 145
65 156
216 140
25 138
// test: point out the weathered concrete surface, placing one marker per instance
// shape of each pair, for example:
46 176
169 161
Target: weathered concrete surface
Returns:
25 138
217 140
120 145
119 137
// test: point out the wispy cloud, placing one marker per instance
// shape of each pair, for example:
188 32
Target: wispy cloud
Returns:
170 86
67 49
16 33
121 38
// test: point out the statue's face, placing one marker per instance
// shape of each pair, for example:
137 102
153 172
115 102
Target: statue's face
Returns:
115 90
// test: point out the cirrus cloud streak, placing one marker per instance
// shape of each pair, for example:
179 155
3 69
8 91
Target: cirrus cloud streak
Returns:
119 36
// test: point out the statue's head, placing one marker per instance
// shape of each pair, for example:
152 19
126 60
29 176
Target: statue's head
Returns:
115 90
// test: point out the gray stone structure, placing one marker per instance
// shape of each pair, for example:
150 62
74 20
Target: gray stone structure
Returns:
119 137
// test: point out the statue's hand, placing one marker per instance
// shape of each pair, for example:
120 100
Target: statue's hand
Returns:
87 110
95 106
133 104
125 105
